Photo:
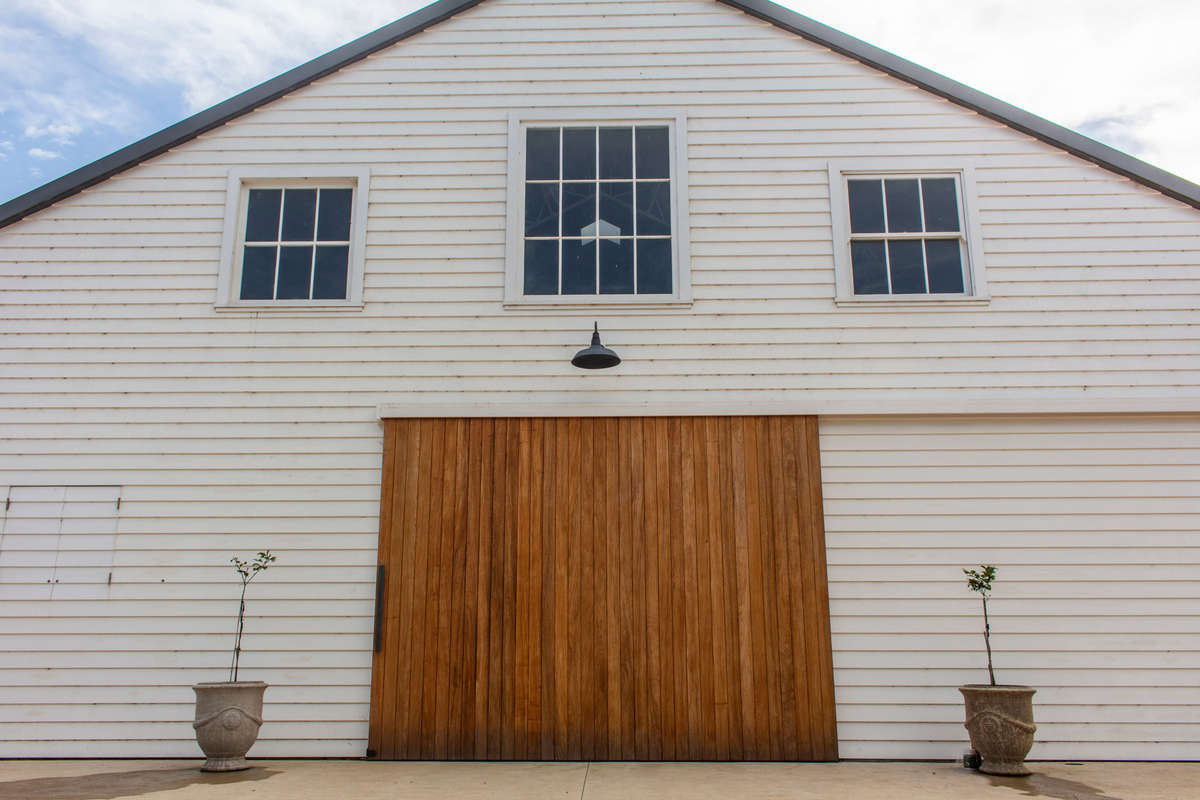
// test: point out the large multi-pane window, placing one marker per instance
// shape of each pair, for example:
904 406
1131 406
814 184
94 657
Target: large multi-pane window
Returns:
906 235
296 243
597 210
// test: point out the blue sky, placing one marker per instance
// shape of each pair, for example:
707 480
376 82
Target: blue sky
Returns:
82 78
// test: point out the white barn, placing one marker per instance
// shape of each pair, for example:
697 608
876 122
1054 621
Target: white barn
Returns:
983 325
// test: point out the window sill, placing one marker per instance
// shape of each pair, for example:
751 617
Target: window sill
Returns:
284 307
623 302
907 301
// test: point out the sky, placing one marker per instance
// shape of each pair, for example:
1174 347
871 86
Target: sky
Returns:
82 78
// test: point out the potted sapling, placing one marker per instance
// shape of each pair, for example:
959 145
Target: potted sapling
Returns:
229 713
999 718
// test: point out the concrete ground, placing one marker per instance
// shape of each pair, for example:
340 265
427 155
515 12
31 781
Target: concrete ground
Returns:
376 780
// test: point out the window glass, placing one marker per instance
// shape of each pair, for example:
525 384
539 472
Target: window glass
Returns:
579 153
903 206
653 157
296 244
616 153
869 260
330 271
944 257
541 154
866 206
262 216
299 215
907 266
541 266
333 222
598 216
941 204
906 235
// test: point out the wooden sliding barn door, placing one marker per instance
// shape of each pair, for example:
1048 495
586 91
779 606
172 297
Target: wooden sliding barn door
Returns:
603 589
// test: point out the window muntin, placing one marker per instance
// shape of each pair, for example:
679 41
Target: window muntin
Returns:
296 243
907 235
598 210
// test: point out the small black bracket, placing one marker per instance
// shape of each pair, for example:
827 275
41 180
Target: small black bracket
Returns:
379 587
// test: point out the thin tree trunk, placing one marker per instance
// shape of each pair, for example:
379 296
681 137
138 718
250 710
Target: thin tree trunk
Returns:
237 642
987 641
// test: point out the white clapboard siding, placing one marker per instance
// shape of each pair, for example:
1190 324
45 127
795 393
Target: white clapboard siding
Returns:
1091 522
236 432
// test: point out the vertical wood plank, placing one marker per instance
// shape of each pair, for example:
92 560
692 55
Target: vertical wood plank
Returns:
603 589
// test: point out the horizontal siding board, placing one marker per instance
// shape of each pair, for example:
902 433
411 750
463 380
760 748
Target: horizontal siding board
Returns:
1097 613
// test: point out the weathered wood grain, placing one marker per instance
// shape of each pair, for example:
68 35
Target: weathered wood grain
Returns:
603 589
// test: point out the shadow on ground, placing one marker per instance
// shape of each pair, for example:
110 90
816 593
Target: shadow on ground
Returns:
113 785
1045 786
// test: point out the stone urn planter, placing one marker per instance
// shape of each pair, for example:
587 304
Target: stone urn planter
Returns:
229 713
999 717
1000 723
228 716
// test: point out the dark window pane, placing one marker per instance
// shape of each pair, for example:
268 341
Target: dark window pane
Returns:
579 209
541 209
866 206
299 214
908 267
579 266
652 153
616 266
333 224
616 152
262 217
945 266
258 273
941 204
903 205
541 267
616 208
579 153
654 266
654 209
870 267
329 283
295 273
541 154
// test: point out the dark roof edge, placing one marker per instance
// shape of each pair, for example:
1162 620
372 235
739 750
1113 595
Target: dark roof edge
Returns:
1065 138
157 143
1075 143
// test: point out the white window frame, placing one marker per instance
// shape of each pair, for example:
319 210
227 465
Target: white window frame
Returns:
240 181
514 262
974 273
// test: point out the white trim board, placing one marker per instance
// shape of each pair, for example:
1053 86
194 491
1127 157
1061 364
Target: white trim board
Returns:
824 407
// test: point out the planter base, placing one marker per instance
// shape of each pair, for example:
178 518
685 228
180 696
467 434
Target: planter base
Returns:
1000 722
225 765
228 716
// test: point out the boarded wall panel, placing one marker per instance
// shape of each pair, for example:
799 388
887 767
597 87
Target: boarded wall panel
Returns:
603 589
1092 524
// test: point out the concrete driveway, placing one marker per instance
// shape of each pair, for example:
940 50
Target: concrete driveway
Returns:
374 780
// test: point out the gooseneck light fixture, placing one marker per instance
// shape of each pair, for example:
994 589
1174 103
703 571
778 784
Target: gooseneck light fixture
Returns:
596 355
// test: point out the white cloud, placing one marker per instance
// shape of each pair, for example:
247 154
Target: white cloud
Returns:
1128 73
212 49
43 155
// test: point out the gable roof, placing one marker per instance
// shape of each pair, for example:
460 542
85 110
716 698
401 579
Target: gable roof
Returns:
155 144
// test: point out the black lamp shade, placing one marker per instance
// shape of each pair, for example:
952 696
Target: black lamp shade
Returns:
596 355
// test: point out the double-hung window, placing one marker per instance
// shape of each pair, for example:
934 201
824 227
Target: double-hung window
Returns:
294 238
594 213
905 235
